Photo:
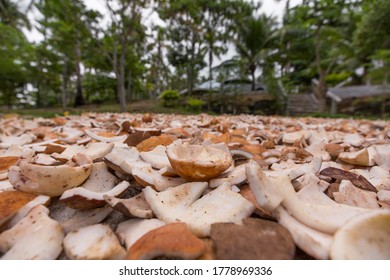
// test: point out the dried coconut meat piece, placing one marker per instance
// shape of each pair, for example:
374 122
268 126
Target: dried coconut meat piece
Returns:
96 242
265 189
100 179
182 204
325 218
84 198
136 137
131 230
50 180
54 148
136 206
318 150
361 158
35 237
220 205
175 200
234 177
173 240
157 158
354 139
69 135
11 202
254 149
313 242
44 159
197 162
7 162
94 150
147 118
364 237
293 137
380 155
8 141
238 154
72 219
124 159
5 185
147 176
255 239
177 133
350 195
12 151
154 141
334 150
87 195
100 138
298 155
22 212
246 192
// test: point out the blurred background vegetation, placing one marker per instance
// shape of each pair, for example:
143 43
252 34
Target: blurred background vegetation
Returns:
111 61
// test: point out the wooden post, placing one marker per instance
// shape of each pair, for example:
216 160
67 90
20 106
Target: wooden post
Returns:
334 107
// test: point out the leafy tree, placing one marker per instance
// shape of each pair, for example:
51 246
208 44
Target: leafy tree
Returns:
159 72
125 35
372 34
220 25
11 15
68 24
186 49
14 53
254 40
322 28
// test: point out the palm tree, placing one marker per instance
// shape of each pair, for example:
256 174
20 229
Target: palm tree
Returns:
255 36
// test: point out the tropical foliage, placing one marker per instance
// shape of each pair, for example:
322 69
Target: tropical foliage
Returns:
137 49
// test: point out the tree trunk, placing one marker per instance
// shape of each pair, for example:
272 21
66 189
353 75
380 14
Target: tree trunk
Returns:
64 86
129 91
79 98
39 102
321 87
159 70
252 69
8 97
189 79
121 78
210 76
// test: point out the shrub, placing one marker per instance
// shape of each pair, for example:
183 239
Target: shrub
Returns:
170 98
195 105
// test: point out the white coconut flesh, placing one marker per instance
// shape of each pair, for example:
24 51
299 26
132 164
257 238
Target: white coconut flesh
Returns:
200 154
131 230
364 237
35 237
96 242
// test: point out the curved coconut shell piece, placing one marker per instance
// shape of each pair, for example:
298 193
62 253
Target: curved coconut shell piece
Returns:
50 180
173 240
11 202
197 162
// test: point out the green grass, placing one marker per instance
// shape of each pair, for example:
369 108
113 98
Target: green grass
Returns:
146 106
344 116
142 106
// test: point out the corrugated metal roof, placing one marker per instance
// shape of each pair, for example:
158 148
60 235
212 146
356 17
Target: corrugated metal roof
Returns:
339 94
